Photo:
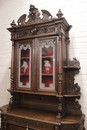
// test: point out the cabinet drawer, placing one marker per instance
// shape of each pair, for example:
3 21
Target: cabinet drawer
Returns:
20 123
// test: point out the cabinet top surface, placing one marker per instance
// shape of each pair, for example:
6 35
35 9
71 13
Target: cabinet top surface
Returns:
42 116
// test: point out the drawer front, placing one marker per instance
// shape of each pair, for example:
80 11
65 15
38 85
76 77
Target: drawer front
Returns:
19 123
14 127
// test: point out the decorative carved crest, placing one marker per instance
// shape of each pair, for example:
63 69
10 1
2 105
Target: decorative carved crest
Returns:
34 14
33 17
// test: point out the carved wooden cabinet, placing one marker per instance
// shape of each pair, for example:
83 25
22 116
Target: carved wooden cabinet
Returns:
44 95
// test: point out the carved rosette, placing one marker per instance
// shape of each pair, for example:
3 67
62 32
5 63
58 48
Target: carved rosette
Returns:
33 17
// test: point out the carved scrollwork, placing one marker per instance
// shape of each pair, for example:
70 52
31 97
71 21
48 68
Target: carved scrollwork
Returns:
25 45
74 63
22 19
46 15
71 86
14 101
73 107
35 31
47 43
71 70
23 34
77 87
50 29
33 17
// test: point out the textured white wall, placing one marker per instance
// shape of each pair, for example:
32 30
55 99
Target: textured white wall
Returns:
75 11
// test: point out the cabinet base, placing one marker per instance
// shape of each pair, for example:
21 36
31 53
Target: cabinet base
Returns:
20 118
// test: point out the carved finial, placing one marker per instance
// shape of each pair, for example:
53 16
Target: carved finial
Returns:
13 24
59 14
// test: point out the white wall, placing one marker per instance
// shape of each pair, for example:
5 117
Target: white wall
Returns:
75 11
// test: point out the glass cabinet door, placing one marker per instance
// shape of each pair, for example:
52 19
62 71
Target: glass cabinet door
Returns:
24 66
47 64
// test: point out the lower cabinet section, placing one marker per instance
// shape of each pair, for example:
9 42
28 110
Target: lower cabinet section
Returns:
55 127
16 123
14 127
25 119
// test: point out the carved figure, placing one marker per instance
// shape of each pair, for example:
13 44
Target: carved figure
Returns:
33 13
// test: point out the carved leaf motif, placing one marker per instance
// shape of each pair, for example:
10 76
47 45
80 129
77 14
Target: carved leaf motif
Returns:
21 20
46 15
73 107
33 17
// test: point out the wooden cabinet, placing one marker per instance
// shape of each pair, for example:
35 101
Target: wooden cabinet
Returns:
43 93
14 127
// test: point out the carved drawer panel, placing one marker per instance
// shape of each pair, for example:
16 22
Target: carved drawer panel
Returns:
29 123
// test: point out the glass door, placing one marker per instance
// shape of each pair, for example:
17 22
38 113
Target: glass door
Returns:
24 66
47 64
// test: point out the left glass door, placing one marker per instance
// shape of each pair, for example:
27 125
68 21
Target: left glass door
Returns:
24 65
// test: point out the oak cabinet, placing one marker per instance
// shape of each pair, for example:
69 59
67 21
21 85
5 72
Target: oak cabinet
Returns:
43 93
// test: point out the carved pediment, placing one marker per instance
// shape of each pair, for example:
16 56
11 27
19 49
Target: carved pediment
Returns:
35 16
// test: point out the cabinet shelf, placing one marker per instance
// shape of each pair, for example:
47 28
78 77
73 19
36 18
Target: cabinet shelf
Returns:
25 58
24 74
71 67
72 95
47 57
47 74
